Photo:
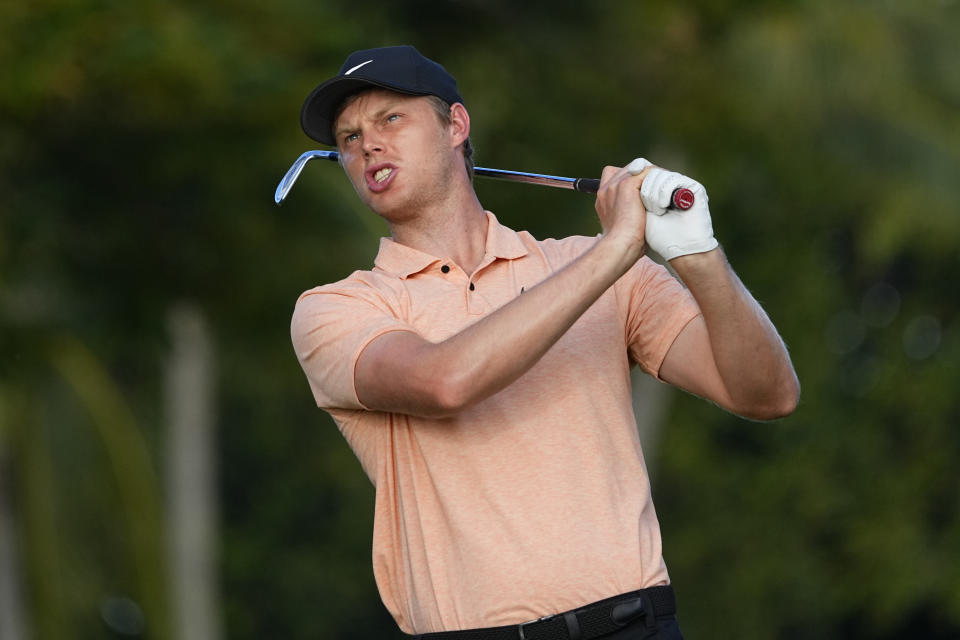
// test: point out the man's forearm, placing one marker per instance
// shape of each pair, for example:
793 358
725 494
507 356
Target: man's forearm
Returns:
751 358
400 372
492 353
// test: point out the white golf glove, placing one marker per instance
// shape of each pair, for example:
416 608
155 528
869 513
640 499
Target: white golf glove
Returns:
670 232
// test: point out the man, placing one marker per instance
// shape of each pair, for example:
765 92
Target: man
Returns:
482 376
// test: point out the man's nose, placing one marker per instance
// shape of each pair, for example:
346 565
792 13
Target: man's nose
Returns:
372 143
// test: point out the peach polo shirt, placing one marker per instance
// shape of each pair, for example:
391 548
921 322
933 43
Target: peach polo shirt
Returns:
531 502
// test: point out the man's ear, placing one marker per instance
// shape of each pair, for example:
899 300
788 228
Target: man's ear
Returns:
459 123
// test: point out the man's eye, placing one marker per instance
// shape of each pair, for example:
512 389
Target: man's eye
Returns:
392 117
351 137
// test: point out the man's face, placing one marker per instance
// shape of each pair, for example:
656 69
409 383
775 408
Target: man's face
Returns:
396 152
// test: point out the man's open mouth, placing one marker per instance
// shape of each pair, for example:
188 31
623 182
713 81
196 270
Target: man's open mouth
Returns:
379 177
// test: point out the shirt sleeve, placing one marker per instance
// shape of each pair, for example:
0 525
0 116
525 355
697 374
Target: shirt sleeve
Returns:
330 328
658 308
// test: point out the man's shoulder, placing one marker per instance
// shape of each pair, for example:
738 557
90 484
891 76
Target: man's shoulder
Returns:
565 249
358 283
574 242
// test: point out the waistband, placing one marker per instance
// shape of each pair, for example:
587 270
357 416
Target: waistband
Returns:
584 623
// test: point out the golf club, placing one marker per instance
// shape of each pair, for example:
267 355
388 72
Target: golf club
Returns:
681 199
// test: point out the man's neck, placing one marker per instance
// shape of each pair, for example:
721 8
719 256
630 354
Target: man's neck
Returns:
455 228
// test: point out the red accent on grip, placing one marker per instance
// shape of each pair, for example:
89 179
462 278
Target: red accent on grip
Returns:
682 198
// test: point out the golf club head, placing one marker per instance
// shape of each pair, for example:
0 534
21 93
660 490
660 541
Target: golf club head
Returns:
294 172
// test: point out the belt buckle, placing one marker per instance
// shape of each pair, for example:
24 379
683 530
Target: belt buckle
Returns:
529 622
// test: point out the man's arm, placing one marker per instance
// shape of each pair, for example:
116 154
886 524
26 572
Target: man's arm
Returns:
401 372
731 355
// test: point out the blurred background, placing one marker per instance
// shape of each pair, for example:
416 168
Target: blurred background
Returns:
163 470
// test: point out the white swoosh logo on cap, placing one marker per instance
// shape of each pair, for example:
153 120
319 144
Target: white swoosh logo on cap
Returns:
349 71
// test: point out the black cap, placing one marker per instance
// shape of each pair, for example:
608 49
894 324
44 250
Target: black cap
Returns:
402 69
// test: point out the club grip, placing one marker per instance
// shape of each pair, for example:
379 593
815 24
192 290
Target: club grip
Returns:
587 185
681 198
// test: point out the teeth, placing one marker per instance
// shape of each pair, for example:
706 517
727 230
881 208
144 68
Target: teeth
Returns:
381 175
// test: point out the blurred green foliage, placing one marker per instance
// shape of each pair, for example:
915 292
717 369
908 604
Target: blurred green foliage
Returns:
140 144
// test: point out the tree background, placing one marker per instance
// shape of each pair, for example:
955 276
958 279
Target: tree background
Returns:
140 144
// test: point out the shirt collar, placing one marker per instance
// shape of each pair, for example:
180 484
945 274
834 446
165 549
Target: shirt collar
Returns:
404 261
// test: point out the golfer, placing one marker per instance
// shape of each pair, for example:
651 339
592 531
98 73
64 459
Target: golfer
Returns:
482 376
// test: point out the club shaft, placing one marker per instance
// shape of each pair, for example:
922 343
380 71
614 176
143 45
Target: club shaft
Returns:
584 185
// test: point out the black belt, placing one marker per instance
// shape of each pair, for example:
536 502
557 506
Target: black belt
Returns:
587 622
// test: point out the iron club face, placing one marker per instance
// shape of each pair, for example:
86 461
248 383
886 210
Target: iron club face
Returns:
283 189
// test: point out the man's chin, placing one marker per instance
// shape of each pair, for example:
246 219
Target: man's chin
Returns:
392 210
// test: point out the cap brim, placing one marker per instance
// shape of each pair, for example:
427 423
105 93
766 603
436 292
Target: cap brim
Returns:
320 107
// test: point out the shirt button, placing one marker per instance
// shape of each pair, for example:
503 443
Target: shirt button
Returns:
445 268
472 287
